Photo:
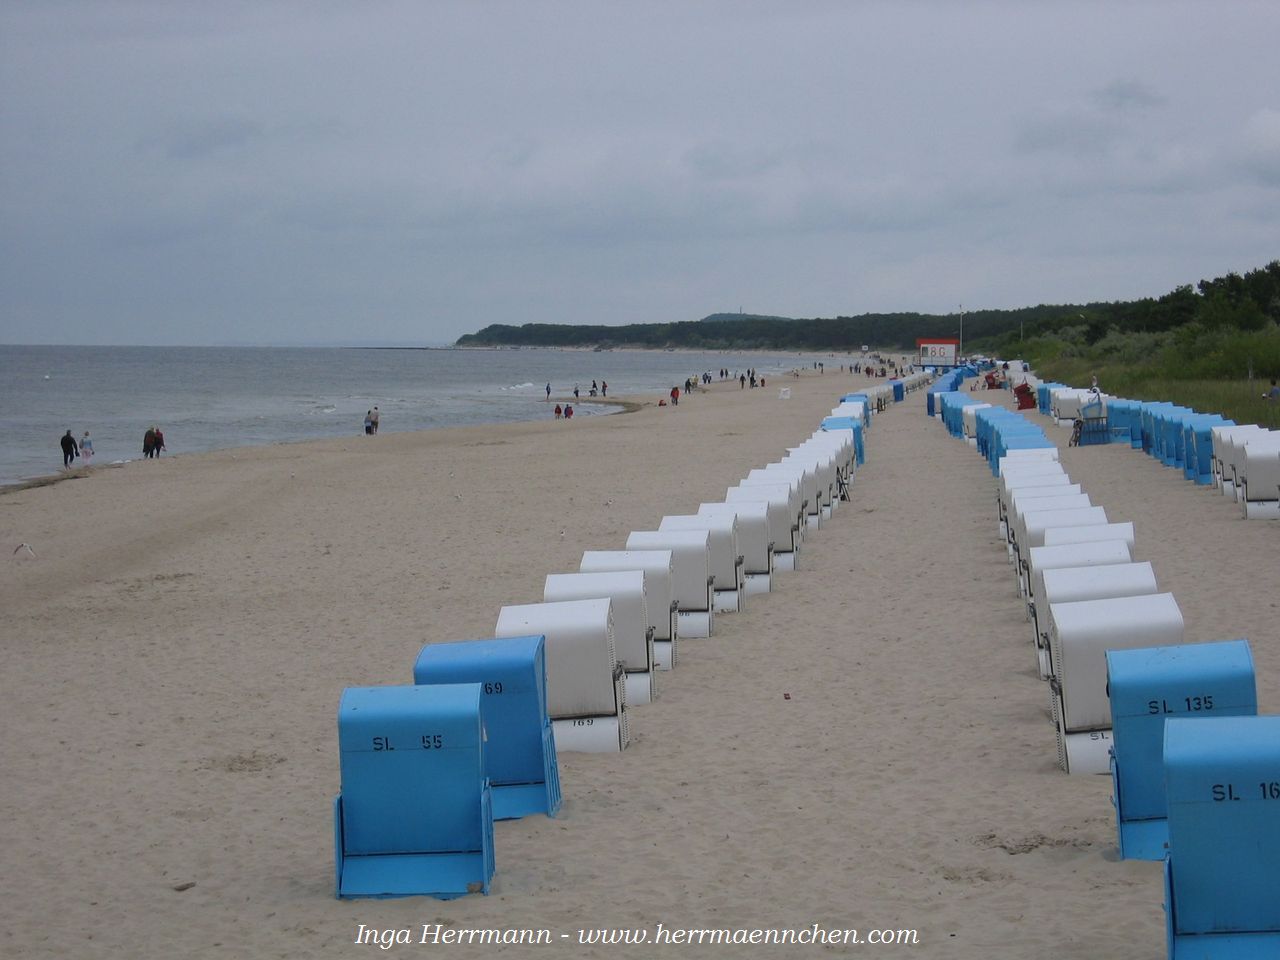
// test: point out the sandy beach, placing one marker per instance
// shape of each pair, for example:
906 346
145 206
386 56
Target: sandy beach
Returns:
177 645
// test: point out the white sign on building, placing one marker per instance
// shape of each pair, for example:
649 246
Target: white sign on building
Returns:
938 354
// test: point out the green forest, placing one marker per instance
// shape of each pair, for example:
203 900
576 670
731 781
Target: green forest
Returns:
749 332
1214 346
1205 316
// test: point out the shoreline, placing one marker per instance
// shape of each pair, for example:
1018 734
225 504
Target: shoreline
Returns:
298 411
623 404
46 480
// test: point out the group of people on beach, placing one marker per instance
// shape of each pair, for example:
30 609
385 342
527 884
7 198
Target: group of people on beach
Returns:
745 377
742 377
152 442
71 449
887 367
598 389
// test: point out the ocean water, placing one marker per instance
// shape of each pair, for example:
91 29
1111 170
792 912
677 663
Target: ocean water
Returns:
209 398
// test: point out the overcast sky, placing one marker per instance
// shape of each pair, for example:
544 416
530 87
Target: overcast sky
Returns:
199 172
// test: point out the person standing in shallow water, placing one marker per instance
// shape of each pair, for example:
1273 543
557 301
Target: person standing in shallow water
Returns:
69 450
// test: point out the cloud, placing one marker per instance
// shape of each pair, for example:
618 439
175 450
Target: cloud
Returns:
1127 95
1073 131
198 140
1114 143
1101 122
1097 124
1261 153
724 160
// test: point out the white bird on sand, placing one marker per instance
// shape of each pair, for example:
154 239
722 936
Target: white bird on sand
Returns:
27 547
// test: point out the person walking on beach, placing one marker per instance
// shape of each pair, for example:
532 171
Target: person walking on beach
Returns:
604 389
86 449
559 412
149 442
548 390
368 423
69 450
575 391
675 396
159 443
376 418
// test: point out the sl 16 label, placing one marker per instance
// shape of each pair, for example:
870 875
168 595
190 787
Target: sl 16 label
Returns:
1267 790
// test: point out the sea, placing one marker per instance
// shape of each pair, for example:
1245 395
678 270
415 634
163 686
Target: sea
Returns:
211 398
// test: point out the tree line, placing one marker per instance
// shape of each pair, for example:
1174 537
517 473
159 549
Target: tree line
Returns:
1248 303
